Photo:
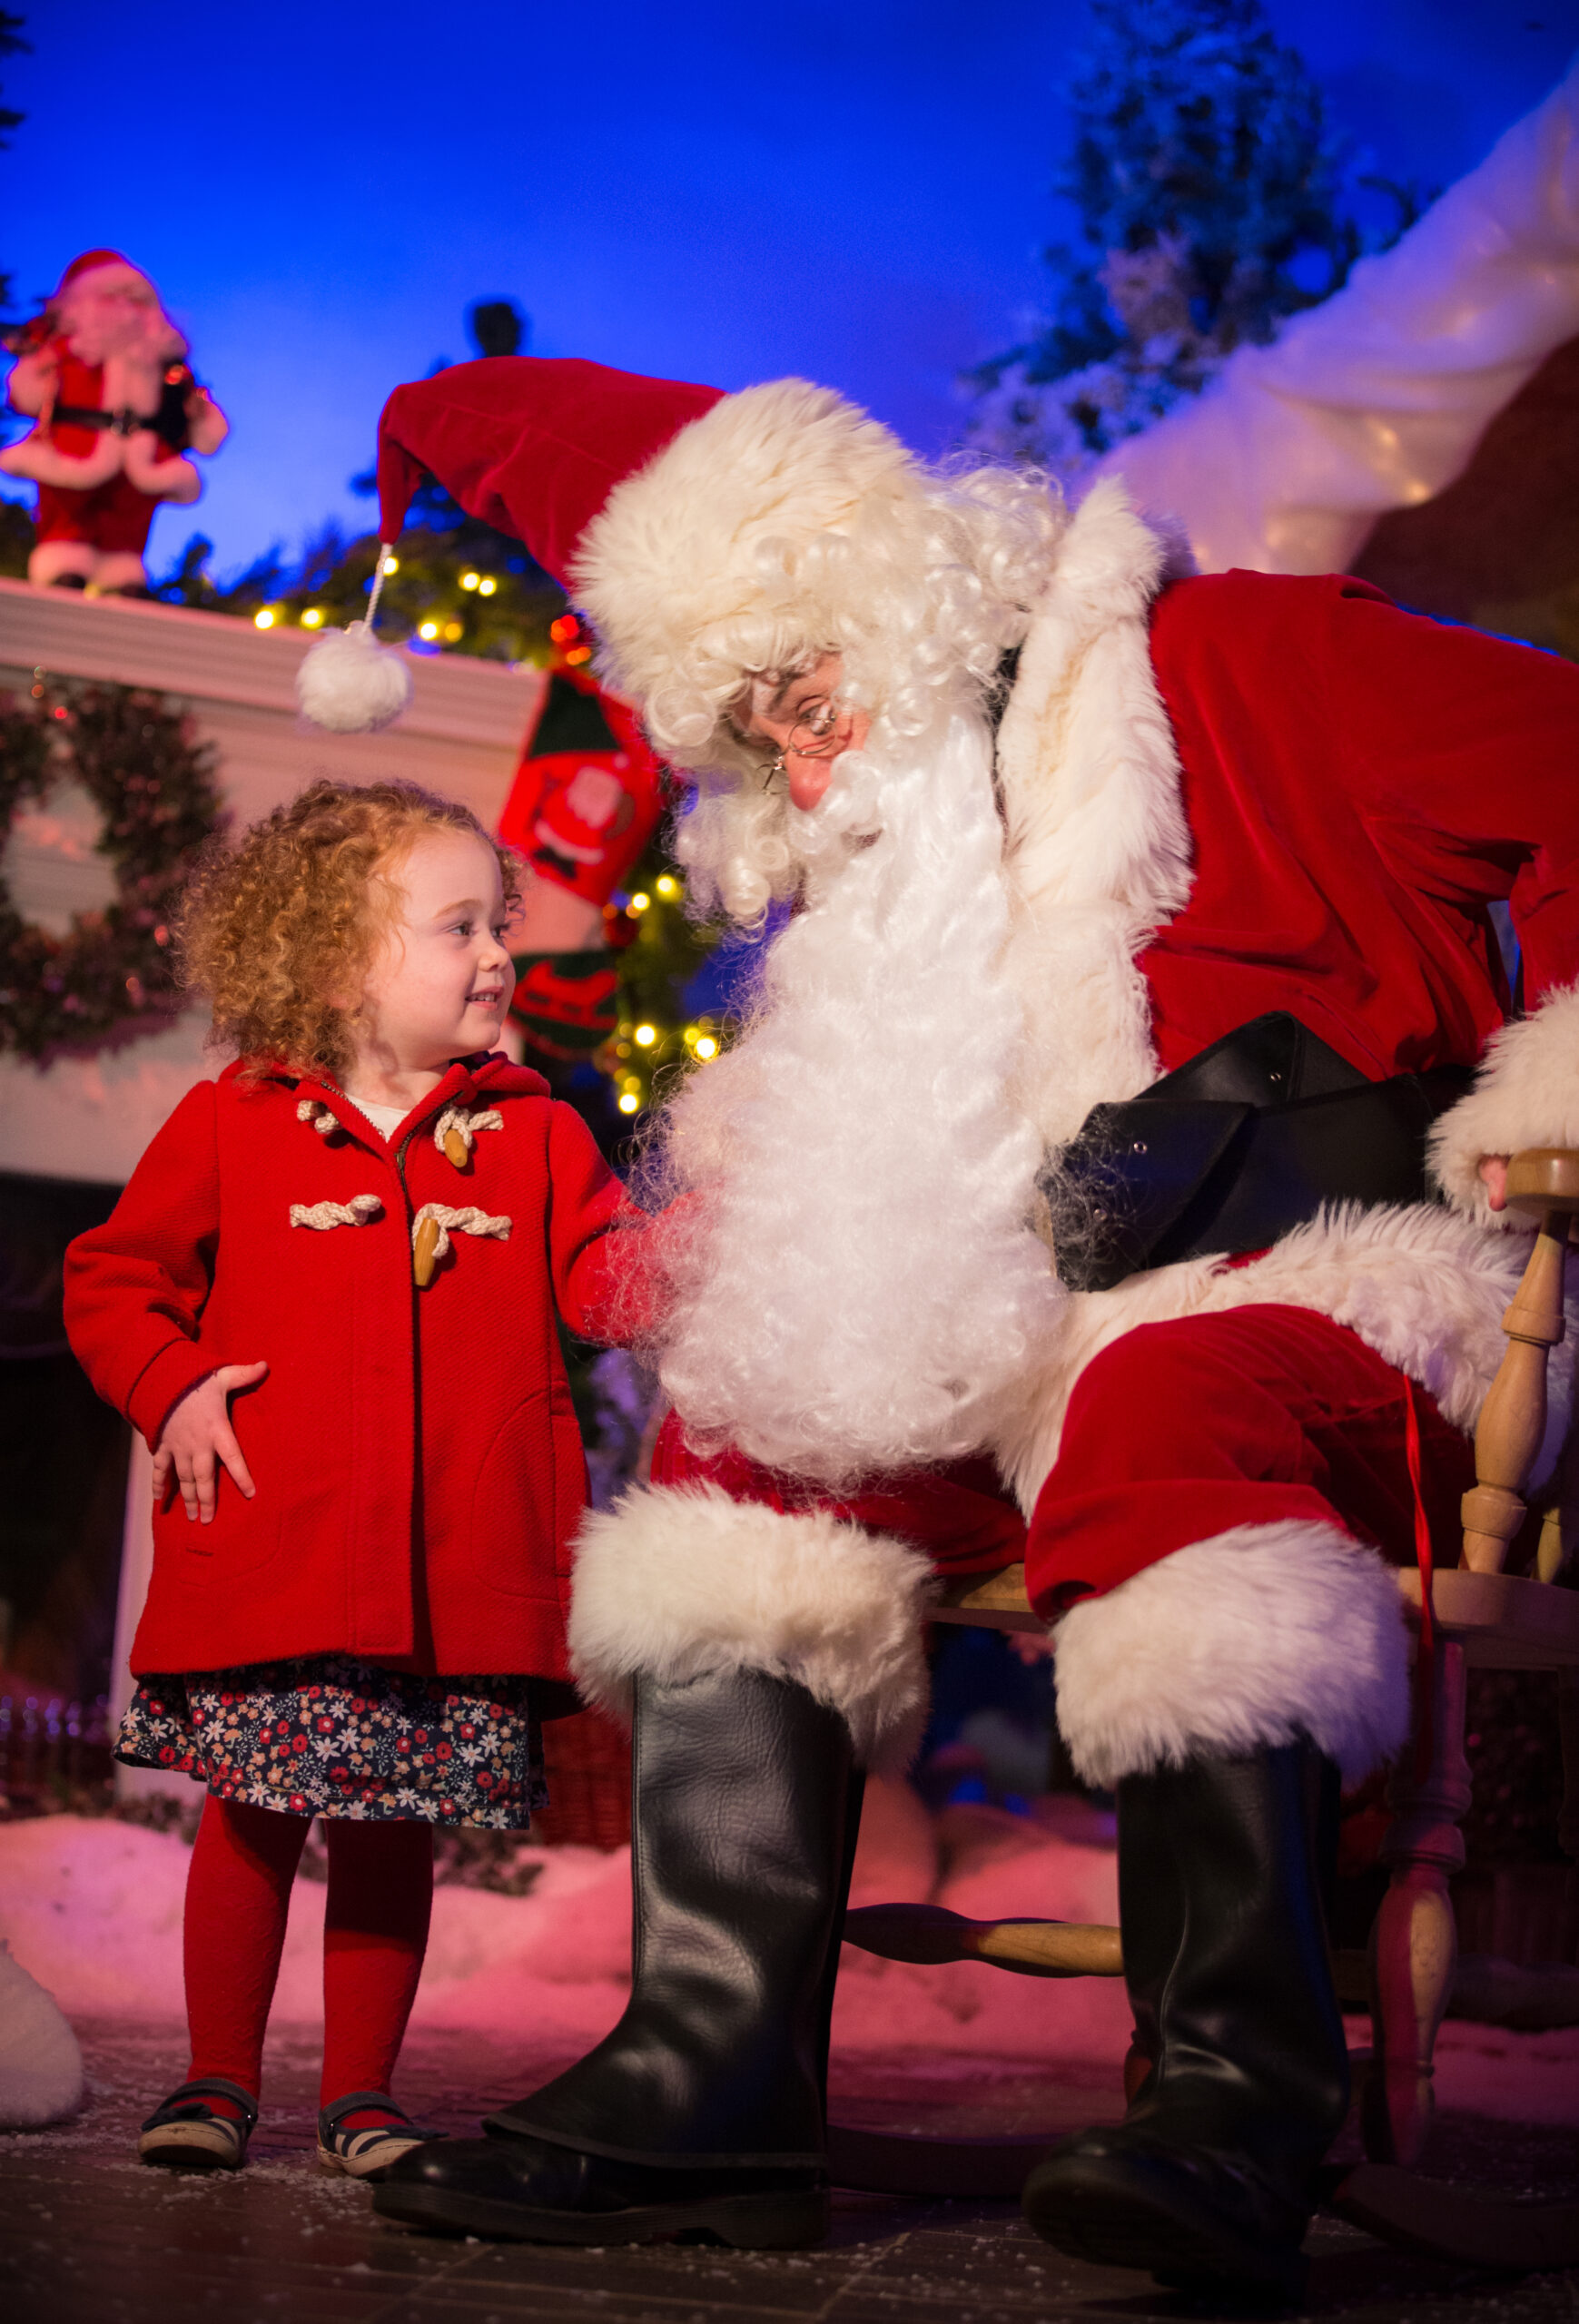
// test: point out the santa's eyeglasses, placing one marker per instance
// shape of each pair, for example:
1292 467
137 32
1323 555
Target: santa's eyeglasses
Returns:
814 735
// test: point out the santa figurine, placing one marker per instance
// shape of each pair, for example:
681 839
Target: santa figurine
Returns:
103 373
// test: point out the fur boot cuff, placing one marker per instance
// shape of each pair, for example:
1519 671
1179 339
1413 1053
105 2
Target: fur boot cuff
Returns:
676 1581
1255 1638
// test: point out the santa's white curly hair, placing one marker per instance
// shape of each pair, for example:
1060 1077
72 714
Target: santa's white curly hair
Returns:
784 525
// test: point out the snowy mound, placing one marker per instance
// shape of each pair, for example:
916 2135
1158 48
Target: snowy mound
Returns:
41 2066
95 1905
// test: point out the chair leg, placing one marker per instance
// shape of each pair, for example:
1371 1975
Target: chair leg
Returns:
1415 1941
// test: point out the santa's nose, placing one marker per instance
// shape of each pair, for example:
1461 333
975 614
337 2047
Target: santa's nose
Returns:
808 779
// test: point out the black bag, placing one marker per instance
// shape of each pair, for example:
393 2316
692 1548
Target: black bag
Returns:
1247 1140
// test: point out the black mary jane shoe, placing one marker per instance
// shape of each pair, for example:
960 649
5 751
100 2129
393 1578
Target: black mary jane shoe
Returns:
368 2153
526 2190
186 2133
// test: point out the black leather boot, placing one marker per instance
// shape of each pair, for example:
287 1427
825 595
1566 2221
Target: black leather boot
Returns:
703 2110
1208 2180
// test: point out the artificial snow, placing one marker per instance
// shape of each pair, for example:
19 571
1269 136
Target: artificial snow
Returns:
92 1908
41 2066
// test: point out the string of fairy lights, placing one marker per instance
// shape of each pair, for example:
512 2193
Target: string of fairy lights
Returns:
658 951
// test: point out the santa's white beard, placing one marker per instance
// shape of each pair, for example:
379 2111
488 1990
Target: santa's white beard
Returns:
853 1283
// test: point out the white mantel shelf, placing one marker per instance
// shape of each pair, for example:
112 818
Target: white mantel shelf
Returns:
218 658
91 1117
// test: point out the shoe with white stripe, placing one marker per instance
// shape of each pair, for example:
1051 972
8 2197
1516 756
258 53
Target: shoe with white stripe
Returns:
367 2152
185 2134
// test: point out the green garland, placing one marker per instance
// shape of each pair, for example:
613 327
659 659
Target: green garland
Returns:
116 971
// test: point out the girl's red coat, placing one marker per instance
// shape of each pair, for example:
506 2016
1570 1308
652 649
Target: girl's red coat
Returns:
418 1466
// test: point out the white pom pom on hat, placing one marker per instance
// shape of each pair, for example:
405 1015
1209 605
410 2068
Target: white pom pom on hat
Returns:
350 683
347 680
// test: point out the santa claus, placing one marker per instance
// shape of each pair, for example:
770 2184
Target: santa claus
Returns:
1121 1100
103 374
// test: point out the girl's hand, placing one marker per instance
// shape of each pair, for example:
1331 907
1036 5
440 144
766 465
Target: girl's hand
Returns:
199 1429
1494 1169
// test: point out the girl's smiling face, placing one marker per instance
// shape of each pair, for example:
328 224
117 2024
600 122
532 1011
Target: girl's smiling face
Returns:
441 979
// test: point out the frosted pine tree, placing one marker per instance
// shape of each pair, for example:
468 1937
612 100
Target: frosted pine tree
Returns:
1210 192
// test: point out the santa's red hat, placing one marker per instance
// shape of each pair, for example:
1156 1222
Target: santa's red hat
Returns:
532 445
649 498
88 261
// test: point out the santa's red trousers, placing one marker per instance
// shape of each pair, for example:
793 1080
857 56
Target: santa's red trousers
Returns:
113 517
375 1933
1174 1434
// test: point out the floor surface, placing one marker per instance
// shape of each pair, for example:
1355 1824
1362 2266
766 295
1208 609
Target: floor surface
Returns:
89 2236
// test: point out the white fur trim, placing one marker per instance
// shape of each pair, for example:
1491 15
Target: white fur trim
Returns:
1253 1638
36 456
1099 848
1526 1093
676 1580
1424 1288
155 471
679 546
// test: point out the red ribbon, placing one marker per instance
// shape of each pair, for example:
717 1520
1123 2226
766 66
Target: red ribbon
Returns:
1426 1659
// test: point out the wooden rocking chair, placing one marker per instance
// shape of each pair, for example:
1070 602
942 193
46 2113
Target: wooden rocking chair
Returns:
1483 1617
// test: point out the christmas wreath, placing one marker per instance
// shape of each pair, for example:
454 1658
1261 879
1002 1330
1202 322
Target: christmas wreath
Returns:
136 760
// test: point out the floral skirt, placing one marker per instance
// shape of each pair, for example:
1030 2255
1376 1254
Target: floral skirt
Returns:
326 1735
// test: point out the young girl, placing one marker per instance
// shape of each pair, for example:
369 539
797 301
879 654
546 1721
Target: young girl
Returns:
327 1298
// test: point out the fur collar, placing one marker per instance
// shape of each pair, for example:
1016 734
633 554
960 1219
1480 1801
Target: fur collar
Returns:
1098 850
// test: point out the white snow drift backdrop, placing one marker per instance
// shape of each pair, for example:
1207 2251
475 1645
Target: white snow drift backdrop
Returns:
93 1909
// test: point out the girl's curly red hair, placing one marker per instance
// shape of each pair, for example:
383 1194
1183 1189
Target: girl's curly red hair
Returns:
273 930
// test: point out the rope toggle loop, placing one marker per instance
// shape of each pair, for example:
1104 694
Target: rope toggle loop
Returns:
313 1110
359 1211
432 1227
455 1129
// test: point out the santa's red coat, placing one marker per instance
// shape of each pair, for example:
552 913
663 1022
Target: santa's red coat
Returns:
416 1459
1360 785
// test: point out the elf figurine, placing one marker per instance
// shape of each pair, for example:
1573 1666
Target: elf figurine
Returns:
102 371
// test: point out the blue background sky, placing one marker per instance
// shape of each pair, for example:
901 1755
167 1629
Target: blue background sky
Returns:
857 191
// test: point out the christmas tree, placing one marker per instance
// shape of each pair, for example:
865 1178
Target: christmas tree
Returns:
1211 198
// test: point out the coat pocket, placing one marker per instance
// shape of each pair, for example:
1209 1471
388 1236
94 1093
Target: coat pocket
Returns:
243 1537
245 1534
517 1510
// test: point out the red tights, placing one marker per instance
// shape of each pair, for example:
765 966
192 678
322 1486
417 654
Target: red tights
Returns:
375 1933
